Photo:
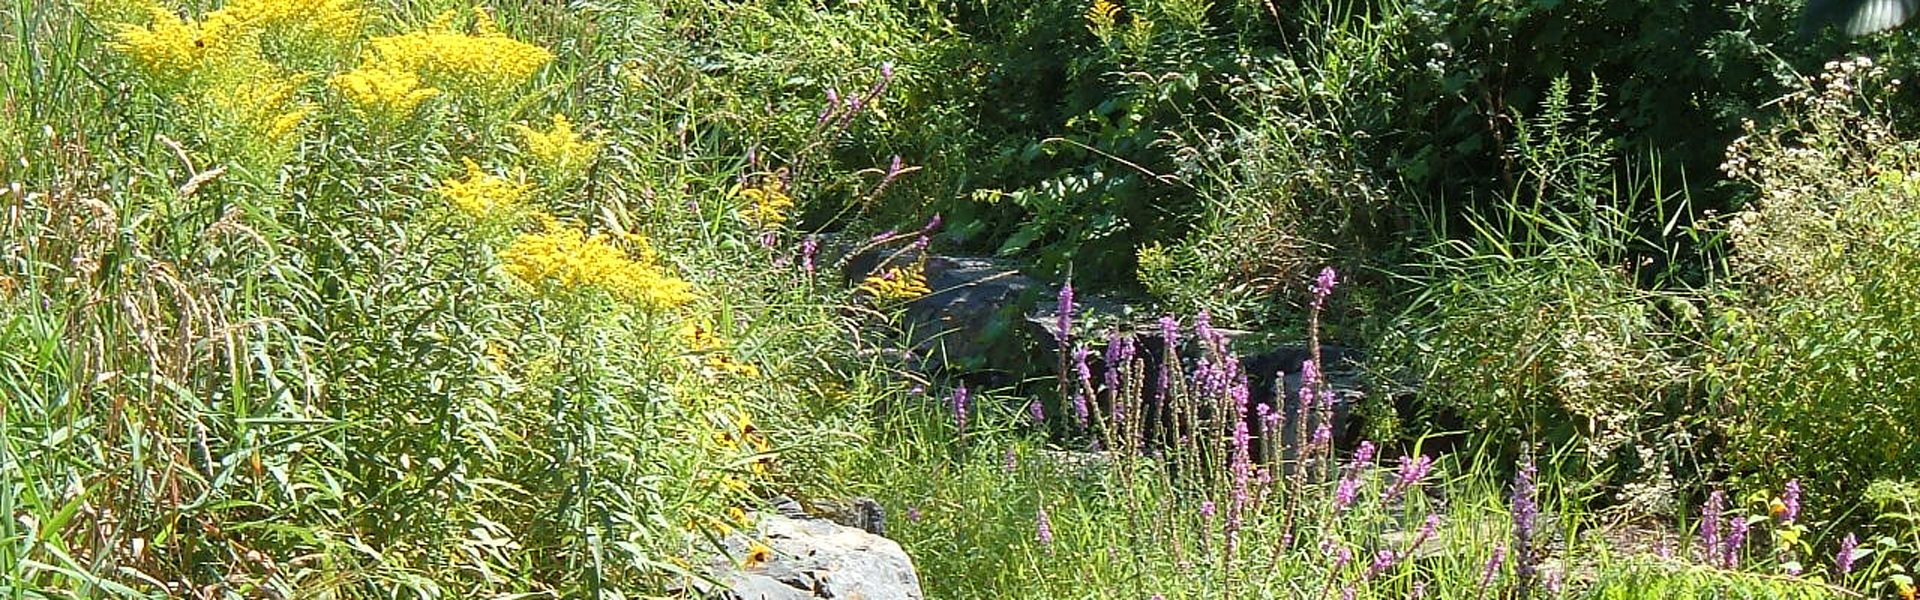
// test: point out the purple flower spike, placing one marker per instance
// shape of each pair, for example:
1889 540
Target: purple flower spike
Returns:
809 248
960 407
1207 509
1412 470
1382 562
1043 529
1736 539
1036 411
1323 286
1525 508
1493 567
1085 373
1064 319
1843 560
1710 524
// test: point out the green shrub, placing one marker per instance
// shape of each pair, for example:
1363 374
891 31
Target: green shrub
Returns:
1815 329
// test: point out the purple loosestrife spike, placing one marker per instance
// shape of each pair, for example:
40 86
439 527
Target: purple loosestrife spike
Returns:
1080 368
1412 470
933 224
1207 509
1492 568
1342 556
1363 456
1343 496
1427 530
1323 286
913 514
1419 590
1736 539
960 401
1791 501
808 249
921 243
1526 510
1043 529
1064 320
1116 359
1348 593
1037 412
882 236
1383 561
1710 525
1843 560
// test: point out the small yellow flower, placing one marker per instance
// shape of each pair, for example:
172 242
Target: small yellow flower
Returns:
739 515
897 283
767 205
758 554
559 147
484 196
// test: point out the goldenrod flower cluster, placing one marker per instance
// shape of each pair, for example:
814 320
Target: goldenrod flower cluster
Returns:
767 204
897 283
265 109
485 64
484 196
559 148
566 259
1102 15
173 48
337 20
387 95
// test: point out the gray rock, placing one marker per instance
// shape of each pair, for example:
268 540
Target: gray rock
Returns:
812 558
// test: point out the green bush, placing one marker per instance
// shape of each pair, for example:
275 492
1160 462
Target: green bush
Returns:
1817 326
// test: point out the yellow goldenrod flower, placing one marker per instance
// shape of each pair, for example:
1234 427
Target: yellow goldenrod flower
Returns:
767 205
739 515
559 147
485 65
566 259
258 106
387 95
332 19
173 48
1102 15
897 283
484 196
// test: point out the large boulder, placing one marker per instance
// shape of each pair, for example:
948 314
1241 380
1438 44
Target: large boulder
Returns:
810 558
